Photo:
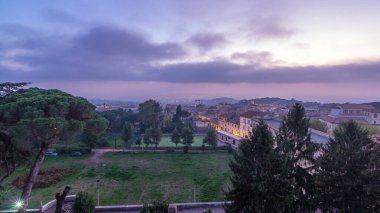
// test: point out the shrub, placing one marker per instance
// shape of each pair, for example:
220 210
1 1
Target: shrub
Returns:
230 149
185 149
84 203
156 207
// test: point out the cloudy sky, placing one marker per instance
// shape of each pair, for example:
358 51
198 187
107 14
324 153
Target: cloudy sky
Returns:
323 50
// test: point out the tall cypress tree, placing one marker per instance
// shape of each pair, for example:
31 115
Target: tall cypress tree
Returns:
257 181
295 145
349 178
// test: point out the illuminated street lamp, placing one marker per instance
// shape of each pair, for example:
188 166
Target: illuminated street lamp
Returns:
18 204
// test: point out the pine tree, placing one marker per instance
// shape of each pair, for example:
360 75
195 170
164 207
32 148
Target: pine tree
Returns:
258 184
176 137
295 145
349 178
127 132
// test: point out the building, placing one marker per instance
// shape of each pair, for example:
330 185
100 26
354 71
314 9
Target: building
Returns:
361 113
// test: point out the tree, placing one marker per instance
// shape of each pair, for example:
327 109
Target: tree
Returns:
298 151
117 119
187 136
318 125
348 178
150 114
138 141
210 138
93 134
258 183
10 155
38 117
152 136
8 87
176 137
127 132
177 116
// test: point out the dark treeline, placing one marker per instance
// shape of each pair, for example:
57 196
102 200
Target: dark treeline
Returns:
289 173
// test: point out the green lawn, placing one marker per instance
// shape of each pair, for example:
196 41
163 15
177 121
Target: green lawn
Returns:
140 178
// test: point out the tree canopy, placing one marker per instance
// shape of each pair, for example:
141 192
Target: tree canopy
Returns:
348 178
210 138
150 114
258 182
40 117
298 151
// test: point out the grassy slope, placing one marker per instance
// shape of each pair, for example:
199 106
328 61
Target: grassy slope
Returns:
141 178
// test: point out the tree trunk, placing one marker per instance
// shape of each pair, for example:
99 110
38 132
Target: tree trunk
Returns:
27 190
61 199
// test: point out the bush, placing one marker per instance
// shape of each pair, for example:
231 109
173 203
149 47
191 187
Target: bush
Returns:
84 203
156 207
230 149
185 149
64 150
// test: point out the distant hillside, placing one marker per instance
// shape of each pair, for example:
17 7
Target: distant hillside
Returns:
222 100
113 102
374 104
275 100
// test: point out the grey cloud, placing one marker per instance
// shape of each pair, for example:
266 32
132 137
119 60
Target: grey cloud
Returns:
206 41
113 41
253 57
112 53
268 27
227 72
61 16
103 52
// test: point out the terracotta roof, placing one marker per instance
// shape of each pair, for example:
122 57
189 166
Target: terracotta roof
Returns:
251 114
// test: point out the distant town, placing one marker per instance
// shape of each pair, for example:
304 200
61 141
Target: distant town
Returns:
234 119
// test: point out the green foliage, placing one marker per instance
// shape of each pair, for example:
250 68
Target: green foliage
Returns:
152 136
176 137
138 141
150 114
84 203
117 118
348 178
127 132
258 184
4 193
187 136
298 151
185 149
8 87
318 125
34 117
210 138
94 132
371 129
155 207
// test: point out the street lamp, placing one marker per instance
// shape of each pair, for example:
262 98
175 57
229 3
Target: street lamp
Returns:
18 204
97 188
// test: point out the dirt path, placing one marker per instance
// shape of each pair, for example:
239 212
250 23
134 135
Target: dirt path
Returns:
96 157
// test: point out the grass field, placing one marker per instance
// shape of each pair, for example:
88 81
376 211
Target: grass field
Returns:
139 178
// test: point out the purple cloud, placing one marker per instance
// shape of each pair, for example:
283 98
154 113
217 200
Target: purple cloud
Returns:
206 41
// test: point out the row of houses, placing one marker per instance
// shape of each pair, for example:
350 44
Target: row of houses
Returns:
361 113
232 128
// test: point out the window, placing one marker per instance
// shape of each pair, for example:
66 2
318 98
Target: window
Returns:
375 115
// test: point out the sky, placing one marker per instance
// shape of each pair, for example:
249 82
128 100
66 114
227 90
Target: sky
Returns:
317 50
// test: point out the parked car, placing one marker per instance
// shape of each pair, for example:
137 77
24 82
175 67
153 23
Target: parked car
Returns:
76 154
51 154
